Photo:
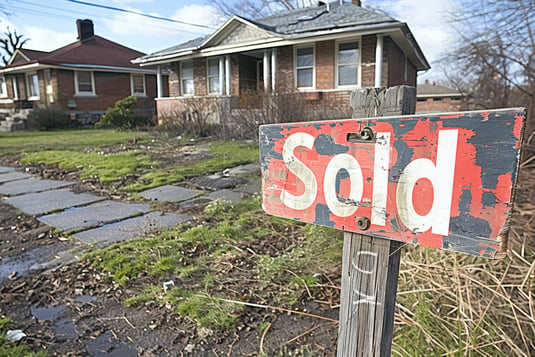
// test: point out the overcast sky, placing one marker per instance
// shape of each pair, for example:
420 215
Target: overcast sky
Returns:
51 24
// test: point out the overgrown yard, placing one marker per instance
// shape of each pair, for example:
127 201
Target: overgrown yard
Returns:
236 282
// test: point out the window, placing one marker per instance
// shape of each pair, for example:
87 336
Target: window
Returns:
84 83
3 87
137 83
215 80
33 86
348 64
186 77
305 67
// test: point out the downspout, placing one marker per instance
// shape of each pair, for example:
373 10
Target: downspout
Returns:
379 61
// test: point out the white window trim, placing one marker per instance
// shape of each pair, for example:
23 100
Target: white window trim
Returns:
3 94
221 75
84 94
29 85
313 45
132 75
359 65
182 93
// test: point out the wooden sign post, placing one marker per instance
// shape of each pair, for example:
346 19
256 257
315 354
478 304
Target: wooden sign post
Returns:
444 181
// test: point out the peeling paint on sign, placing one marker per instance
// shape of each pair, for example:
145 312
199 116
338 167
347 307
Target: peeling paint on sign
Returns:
444 181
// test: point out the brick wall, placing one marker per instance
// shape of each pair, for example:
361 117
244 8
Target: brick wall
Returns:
368 61
174 80
440 104
325 53
199 76
394 73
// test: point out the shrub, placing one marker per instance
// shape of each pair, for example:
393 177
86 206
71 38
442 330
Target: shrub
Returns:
122 115
48 117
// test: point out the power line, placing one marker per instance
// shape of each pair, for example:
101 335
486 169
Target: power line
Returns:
139 13
29 10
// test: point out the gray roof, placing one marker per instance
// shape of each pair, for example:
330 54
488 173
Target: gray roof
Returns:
318 18
436 90
302 23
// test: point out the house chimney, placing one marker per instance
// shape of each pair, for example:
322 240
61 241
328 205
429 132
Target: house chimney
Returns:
356 2
85 30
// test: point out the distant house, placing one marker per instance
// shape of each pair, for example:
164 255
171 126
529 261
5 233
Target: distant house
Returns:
84 78
323 51
432 97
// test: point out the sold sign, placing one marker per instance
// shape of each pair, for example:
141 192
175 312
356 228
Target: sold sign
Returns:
443 181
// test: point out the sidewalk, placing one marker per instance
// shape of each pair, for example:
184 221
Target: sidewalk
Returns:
96 220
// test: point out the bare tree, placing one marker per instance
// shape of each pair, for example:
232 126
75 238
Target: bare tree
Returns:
494 61
10 43
258 8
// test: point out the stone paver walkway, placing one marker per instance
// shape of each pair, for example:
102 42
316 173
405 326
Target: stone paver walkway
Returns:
96 220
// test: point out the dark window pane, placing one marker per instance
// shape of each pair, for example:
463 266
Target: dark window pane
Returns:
304 77
305 57
347 75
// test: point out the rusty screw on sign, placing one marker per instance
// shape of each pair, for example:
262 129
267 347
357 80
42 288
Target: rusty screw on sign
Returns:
363 223
366 134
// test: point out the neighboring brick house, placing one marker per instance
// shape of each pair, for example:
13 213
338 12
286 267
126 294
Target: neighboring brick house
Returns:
324 52
432 97
84 78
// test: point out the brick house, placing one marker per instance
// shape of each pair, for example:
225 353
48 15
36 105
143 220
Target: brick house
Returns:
432 97
322 52
84 78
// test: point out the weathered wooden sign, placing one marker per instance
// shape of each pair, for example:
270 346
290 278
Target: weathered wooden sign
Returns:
443 181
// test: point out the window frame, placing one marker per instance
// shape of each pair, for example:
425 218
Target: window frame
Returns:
220 77
337 65
192 78
132 86
3 87
77 91
313 67
31 89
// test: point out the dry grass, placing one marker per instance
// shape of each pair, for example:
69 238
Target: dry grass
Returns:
457 305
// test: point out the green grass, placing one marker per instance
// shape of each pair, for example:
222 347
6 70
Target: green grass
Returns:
71 140
107 167
223 155
196 258
12 349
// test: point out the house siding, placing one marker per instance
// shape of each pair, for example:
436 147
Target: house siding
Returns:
395 70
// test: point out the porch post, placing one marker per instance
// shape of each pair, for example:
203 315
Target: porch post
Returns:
159 89
221 75
379 61
228 75
273 68
265 68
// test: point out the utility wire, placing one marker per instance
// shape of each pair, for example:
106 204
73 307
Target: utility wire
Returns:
42 12
139 13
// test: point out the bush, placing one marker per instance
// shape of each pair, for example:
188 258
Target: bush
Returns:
122 115
48 117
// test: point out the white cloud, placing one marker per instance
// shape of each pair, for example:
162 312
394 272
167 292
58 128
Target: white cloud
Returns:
428 21
39 38
135 25
44 39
